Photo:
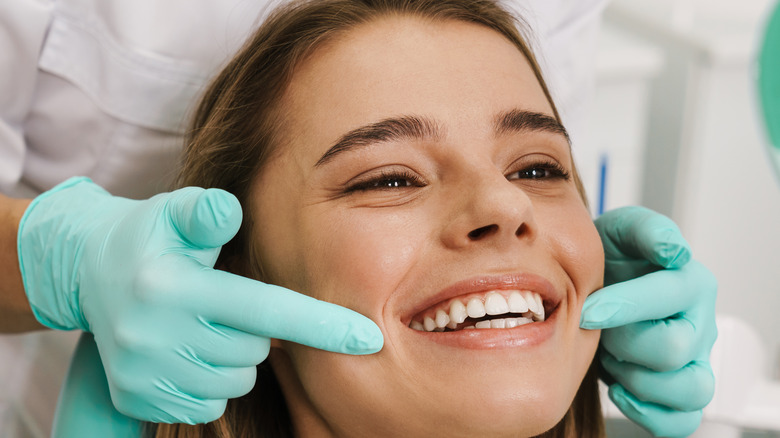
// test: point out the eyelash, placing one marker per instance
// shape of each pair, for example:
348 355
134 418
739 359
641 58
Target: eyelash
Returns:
379 182
388 180
553 169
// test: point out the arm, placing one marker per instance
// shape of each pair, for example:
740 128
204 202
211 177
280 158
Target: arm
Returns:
23 27
176 337
15 313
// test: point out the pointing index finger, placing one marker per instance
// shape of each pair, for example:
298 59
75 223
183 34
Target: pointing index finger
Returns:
275 312
657 295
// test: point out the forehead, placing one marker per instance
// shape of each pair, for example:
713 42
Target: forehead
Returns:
456 72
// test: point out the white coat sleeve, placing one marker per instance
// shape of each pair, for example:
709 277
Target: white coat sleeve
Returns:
23 26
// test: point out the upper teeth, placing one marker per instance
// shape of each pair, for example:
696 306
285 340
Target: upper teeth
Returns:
528 305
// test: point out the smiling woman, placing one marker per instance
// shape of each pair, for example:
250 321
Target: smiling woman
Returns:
404 159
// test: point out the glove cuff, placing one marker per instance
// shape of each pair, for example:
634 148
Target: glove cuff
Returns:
49 250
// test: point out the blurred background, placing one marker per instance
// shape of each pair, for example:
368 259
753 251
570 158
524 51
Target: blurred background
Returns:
676 127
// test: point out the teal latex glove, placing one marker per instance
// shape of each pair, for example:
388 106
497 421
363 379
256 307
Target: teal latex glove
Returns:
84 407
657 310
176 337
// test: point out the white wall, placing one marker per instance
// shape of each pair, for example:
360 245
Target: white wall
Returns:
704 162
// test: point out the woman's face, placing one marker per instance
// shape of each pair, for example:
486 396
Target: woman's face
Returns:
421 170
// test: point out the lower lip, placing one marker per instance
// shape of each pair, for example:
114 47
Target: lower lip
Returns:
525 336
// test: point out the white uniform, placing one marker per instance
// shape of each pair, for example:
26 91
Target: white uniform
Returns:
104 88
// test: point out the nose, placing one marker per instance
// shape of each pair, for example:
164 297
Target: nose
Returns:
489 209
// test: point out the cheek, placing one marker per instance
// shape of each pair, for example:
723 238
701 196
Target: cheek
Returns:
577 246
357 260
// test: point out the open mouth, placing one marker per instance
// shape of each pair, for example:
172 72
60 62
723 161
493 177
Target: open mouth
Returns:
496 309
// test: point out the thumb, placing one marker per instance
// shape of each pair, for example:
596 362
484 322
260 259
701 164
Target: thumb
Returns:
206 218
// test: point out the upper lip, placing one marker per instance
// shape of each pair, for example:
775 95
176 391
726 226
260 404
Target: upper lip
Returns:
483 284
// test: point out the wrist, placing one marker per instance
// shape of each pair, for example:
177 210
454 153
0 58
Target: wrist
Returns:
50 242
15 313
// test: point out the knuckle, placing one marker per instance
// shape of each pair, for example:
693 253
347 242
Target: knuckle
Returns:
127 338
146 284
259 349
209 411
677 354
684 425
702 386
130 409
246 380
705 281
123 388
710 284
153 283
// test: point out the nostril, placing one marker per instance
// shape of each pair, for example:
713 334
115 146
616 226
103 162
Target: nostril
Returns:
482 231
522 229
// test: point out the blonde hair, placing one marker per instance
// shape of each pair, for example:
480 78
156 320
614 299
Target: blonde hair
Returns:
233 135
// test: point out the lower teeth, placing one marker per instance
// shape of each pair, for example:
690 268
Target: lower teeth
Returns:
503 323
495 323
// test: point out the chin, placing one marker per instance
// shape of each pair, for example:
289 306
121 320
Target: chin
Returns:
521 409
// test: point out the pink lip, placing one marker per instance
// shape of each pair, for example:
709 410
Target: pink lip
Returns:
522 336
484 284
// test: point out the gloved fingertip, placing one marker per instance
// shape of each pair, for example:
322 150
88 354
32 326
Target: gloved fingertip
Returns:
221 208
675 256
214 218
366 338
671 251
598 315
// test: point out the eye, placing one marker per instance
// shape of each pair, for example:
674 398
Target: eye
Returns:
543 170
387 180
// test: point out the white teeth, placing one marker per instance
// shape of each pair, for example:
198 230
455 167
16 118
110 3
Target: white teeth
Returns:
538 309
482 325
495 304
526 303
475 308
442 318
457 312
429 324
498 323
533 305
503 323
517 303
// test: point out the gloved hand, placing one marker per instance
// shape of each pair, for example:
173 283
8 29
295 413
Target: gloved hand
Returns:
657 310
176 337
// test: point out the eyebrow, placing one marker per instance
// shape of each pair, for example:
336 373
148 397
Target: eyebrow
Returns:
518 120
392 129
422 128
